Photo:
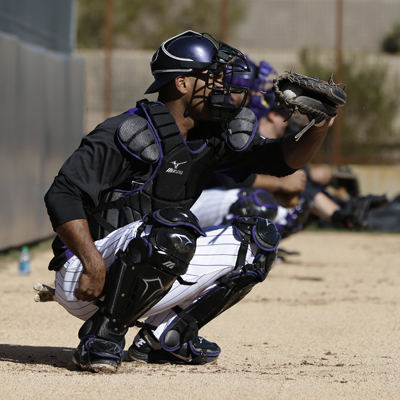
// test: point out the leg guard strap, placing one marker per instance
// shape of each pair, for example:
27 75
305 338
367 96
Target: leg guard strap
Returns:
256 230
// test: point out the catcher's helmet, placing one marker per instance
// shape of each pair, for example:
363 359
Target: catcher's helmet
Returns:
245 78
263 98
189 51
259 80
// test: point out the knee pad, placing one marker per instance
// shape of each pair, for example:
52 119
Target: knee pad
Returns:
263 233
143 273
231 288
253 203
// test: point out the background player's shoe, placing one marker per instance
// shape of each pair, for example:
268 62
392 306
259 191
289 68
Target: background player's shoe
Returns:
147 349
97 355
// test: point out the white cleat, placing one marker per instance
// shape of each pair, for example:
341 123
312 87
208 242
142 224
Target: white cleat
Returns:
46 293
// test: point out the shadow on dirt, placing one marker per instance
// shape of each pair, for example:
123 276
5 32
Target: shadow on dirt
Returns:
58 357
308 278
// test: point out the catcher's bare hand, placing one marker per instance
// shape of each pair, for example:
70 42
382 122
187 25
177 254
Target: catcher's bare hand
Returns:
91 282
76 236
294 183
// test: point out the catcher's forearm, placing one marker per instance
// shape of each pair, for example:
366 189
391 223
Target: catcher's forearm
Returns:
299 153
76 236
323 207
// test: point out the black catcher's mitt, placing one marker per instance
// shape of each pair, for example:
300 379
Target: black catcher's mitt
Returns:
344 177
317 99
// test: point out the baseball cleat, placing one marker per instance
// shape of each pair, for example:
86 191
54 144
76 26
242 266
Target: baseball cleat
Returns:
147 349
46 293
97 355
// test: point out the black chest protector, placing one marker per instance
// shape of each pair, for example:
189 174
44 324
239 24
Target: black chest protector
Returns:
178 174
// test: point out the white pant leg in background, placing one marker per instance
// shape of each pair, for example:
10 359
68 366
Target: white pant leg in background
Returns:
281 216
215 257
213 205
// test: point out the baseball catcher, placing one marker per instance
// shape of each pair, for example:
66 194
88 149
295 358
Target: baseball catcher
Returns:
129 252
318 100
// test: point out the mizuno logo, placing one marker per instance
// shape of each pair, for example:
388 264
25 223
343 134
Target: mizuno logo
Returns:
176 164
175 170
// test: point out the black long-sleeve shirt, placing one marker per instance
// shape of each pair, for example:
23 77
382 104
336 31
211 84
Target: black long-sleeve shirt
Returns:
101 164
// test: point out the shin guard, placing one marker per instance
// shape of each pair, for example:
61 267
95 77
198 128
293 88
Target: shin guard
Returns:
144 273
231 288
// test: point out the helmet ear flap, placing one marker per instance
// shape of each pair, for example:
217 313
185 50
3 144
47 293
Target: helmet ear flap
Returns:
181 55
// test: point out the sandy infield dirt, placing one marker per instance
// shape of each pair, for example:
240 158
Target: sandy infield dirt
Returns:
324 325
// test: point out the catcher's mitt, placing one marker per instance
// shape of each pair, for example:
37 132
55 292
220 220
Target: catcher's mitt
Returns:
317 99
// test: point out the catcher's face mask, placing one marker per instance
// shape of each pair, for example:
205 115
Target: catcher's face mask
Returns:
191 51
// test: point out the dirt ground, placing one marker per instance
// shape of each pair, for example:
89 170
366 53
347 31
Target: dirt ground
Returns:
324 325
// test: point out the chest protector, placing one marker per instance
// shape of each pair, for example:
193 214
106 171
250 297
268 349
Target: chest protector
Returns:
178 174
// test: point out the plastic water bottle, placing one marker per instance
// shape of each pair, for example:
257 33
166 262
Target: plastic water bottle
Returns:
24 261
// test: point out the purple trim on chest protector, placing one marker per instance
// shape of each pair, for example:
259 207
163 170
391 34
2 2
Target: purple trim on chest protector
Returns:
198 150
137 111
136 155
159 161
248 142
130 111
184 141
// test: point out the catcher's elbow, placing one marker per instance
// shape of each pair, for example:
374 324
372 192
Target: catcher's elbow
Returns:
331 121
326 123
